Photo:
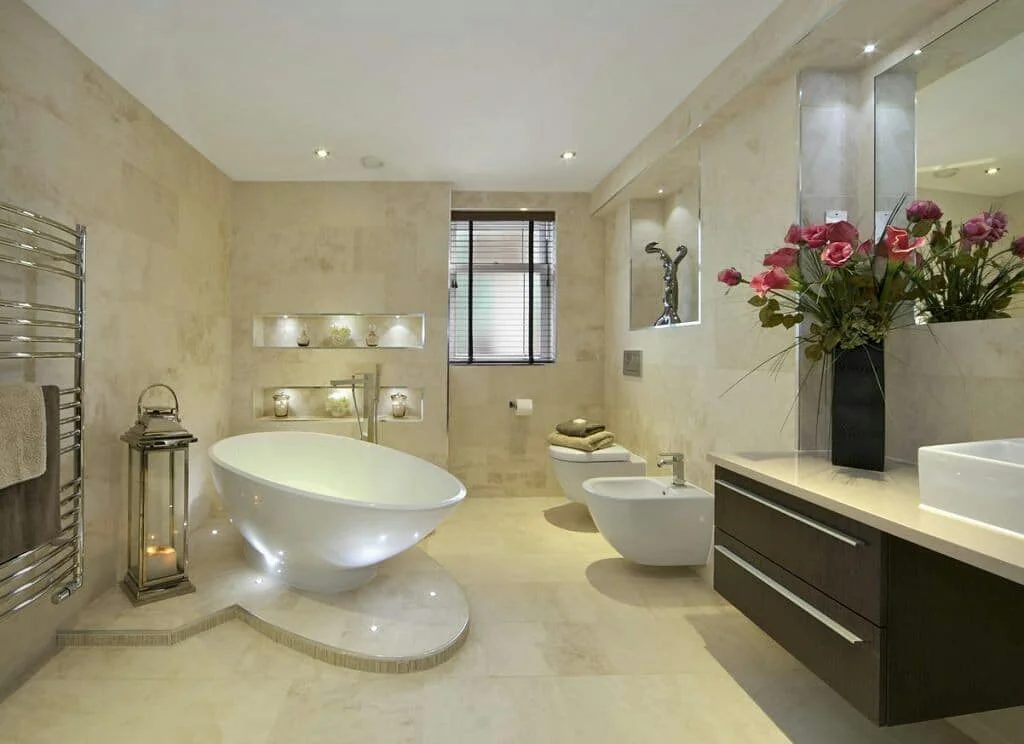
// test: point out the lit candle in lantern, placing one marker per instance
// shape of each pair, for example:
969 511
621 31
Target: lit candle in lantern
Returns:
161 561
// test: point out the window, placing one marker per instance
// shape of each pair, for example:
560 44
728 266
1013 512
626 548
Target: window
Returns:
501 307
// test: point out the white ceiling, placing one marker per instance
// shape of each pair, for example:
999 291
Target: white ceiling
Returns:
482 93
971 119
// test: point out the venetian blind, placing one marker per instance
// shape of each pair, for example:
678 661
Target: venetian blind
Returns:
501 307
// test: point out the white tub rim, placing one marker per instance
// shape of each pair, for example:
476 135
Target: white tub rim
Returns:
451 501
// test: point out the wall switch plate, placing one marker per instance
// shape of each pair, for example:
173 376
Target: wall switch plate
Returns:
633 363
835 215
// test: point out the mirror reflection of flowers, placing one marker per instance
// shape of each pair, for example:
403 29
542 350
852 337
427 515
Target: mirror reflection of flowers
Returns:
959 272
851 290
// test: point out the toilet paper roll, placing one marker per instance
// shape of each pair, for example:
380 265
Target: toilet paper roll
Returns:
522 406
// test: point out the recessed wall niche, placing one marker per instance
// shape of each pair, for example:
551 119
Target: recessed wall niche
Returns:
339 331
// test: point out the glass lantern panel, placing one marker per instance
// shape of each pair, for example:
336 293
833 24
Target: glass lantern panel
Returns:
166 491
134 490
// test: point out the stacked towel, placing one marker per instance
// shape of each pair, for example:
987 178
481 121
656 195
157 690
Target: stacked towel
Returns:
22 433
30 509
597 441
579 427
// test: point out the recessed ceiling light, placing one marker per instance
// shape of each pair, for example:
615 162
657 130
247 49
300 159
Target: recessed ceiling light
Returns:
870 48
946 172
524 209
991 171
918 52
321 153
568 155
661 191
371 162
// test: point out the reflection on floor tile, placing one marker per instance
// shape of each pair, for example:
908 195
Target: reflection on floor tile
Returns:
569 644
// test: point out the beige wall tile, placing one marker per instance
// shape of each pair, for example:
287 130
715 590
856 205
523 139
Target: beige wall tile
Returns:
76 146
493 451
749 185
345 248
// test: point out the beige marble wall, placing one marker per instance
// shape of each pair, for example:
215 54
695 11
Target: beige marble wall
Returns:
379 248
76 146
492 451
953 382
748 193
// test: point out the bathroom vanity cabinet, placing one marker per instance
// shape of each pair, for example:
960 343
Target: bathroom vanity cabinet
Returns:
903 632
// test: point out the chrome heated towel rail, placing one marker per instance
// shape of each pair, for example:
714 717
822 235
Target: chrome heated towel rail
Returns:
42 299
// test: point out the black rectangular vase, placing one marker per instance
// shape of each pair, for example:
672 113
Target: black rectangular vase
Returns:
858 408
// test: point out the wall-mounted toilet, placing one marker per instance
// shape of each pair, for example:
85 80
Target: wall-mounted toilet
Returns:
572 467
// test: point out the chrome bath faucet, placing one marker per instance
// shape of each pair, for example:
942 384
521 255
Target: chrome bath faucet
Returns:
675 459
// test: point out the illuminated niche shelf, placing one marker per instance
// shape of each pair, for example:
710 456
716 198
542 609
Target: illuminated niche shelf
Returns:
326 331
335 404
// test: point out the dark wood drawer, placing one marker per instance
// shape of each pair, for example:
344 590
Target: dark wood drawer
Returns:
840 557
835 643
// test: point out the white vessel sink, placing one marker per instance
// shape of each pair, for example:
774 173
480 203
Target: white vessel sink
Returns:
983 481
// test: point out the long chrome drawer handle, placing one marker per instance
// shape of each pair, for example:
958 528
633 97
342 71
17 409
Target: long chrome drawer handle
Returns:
846 634
836 534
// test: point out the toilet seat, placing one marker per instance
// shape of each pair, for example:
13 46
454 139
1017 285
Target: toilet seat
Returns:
615 453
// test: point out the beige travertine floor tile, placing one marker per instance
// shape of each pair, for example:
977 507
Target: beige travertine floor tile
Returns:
568 644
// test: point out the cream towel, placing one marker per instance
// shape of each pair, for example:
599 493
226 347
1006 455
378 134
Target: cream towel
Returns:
22 433
597 441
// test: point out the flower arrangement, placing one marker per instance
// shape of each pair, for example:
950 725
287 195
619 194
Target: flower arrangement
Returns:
825 273
960 274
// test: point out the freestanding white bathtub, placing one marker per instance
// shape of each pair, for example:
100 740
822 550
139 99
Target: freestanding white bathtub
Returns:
321 511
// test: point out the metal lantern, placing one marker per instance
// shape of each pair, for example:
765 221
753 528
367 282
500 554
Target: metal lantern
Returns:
157 503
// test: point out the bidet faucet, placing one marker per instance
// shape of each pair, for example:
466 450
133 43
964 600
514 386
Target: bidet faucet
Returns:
675 459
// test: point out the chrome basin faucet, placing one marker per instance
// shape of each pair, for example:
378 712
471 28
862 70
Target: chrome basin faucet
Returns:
675 459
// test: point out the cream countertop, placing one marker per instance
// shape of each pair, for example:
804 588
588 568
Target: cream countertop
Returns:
886 501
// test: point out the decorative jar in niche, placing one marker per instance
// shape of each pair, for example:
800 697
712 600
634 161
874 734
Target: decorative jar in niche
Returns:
281 405
398 404
303 339
338 405
341 335
371 336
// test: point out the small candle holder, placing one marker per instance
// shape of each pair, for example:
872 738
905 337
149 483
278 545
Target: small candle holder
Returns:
398 404
282 405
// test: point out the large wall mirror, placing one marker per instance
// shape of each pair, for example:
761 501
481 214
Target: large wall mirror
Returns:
664 253
948 121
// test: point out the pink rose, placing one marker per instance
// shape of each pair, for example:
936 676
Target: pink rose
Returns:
730 277
794 235
843 232
897 243
976 230
997 224
1017 246
867 248
783 258
909 252
837 255
768 281
924 211
815 235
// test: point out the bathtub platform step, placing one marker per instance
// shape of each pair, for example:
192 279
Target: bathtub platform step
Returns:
412 616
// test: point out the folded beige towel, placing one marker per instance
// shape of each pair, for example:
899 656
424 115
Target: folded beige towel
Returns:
597 441
30 511
579 427
22 433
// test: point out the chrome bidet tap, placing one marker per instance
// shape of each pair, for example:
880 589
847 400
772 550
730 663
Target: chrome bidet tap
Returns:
676 460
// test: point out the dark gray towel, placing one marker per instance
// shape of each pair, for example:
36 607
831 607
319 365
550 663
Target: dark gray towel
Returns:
30 511
579 428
